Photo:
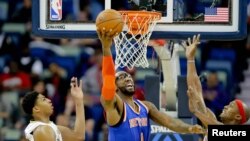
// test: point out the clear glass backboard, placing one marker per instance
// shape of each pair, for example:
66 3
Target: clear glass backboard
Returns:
213 19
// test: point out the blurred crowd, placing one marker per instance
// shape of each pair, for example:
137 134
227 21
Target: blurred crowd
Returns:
44 65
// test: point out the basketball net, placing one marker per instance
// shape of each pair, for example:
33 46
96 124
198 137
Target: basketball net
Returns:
131 43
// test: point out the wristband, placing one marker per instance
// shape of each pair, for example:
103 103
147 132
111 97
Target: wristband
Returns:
191 61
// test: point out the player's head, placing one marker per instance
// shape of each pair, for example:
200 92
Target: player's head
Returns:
124 83
35 104
237 112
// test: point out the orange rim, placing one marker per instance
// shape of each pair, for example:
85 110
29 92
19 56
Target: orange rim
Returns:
142 18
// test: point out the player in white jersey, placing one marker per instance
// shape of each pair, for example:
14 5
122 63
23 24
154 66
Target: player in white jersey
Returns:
236 113
40 109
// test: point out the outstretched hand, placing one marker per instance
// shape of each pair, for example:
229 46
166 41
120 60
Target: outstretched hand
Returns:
197 129
106 37
76 89
191 46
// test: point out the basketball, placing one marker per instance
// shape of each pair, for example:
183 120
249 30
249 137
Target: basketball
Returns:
110 20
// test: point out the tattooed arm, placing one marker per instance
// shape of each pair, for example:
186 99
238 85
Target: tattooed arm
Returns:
170 122
207 119
194 106
192 77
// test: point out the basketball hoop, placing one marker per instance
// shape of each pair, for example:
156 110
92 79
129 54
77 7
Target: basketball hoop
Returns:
131 43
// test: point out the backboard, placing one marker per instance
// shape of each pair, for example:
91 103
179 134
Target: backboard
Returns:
213 19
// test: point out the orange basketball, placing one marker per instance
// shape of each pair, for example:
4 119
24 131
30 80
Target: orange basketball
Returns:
110 20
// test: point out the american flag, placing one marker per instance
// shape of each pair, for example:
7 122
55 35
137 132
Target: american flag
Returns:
216 15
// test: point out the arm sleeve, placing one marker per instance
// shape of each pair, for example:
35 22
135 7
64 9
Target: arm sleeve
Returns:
108 74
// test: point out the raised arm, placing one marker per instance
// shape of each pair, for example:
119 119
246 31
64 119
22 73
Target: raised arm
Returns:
112 104
208 118
192 77
170 122
78 133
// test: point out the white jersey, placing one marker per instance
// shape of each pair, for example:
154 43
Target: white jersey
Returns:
34 124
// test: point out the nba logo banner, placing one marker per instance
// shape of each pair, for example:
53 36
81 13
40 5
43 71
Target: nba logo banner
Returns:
55 10
229 132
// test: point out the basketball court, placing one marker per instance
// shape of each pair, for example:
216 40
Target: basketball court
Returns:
176 21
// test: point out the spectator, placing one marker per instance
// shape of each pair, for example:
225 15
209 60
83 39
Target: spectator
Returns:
214 94
4 111
92 80
14 79
23 15
39 85
92 83
7 46
30 64
56 84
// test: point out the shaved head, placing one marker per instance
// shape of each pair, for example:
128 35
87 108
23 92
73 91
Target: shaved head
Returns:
119 73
